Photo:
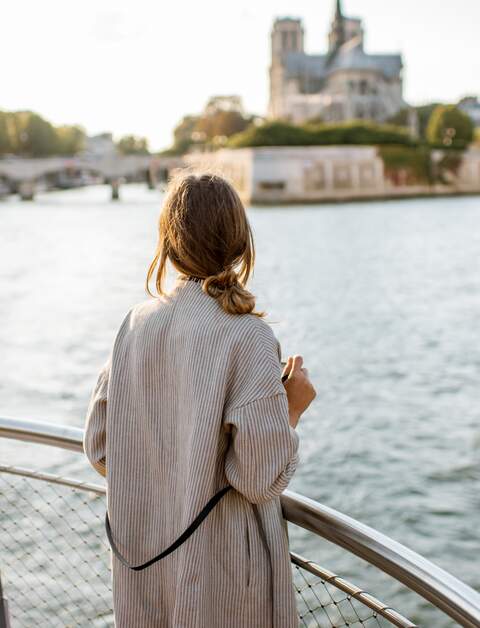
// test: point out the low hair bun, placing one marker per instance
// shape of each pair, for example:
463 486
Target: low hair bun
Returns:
203 231
222 280
226 288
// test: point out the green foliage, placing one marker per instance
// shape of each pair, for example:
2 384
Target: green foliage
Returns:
407 165
184 135
449 127
132 145
212 128
6 139
476 137
272 134
285 134
221 124
423 115
35 137
70 140
27 134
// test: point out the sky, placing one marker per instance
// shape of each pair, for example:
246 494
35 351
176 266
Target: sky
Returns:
138 66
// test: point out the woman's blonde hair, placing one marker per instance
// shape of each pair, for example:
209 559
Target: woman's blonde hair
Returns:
204 231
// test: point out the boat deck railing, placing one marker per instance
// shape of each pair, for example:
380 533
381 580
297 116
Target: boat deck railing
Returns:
55 561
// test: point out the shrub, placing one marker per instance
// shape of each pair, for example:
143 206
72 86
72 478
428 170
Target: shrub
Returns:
449 127
271 134
313 134
406 164
476 137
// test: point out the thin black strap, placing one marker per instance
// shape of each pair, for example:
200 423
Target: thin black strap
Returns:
181 539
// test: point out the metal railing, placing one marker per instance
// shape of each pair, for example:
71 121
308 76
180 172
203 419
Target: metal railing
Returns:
59 521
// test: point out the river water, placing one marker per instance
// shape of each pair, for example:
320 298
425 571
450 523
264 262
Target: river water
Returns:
382 300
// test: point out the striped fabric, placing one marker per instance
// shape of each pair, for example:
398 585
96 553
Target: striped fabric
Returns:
191 399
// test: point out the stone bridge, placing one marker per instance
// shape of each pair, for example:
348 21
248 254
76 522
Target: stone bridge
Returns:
24 174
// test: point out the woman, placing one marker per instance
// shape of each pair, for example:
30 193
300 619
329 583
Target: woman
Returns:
190 401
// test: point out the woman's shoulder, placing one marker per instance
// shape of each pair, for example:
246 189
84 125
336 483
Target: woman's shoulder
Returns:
255 370
254 335
250 327
137 314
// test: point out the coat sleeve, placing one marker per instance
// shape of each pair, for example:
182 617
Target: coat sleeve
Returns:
263 454
263 451
94 439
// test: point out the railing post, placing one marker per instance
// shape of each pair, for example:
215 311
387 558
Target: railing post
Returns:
26 190
4 620
115 186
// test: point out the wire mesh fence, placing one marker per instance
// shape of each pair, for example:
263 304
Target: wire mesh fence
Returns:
54 559
56 565
320 604
325 599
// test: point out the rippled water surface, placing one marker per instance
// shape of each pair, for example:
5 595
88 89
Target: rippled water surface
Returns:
383 302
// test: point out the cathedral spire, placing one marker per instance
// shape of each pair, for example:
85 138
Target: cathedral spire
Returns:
338 10
337 32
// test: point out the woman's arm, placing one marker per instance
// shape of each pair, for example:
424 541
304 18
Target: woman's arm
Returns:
94 440
262 457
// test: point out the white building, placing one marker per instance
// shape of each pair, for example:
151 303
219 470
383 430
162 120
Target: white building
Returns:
343 84
471 106
300 174
99 146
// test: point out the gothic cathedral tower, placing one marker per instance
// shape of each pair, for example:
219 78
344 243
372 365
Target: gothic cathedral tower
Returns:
287 37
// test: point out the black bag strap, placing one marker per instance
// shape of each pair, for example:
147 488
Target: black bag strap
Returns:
181 539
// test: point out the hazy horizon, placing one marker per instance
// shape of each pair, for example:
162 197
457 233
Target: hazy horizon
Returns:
129 67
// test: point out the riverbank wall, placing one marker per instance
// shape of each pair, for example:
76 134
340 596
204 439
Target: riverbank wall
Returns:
316 174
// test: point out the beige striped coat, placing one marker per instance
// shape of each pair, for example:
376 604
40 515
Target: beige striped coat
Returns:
190 400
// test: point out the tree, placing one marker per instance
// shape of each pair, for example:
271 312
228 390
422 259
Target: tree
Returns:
221 124
477 137
35 137
70 140
423 112
27 134
184 134
5 139
222 117
449 127
133 145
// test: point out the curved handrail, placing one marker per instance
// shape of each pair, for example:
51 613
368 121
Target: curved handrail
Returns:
62 436
363 597
449 594
443 590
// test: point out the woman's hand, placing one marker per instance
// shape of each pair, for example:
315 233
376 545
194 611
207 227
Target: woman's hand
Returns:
300 392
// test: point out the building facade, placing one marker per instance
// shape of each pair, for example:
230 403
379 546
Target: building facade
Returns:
315 174
471 106
346 83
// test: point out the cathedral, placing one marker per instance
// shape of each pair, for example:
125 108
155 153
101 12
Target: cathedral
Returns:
346 83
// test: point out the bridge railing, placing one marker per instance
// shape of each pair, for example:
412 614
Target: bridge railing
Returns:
55 561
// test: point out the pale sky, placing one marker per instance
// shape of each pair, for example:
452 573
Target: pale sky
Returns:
137 66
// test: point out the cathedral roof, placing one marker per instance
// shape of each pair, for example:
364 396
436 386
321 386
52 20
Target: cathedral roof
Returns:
352 56
349 56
